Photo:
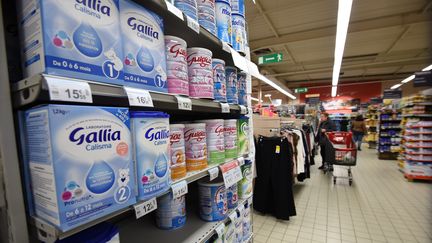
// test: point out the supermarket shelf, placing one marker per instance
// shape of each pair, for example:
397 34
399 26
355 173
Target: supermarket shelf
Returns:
397 120
195 229
416 103
390 128
416 115
389 144
34 90
418 133
389 136
50 233
417 177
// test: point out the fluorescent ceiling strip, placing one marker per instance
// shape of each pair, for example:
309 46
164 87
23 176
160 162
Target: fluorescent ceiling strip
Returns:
334 91
344 12
280 89
408 79
396 86
428 68
255 99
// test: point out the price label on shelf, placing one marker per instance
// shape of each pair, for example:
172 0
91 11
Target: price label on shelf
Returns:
220 230
69 90
146 207
139 97
173 9
231 173
225 107
226 47
241 161
193 24
214 173
232 216
240 208
179 189
243 110
184 103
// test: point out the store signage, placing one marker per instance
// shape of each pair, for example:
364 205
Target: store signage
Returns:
138 97
225 107
69 90
144 208
423 79
392 94
376 100
179 189
300 90
214 173
184 103
231 173
271 58
312 99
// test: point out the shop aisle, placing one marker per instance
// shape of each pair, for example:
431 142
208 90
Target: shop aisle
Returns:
381 206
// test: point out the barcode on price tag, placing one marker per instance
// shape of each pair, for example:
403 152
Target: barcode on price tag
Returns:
173 9
146 207
231 173
243 109
213 172
179 189
225 107
220 230
241 161
138 97
69 90
184 103
193 24
226 47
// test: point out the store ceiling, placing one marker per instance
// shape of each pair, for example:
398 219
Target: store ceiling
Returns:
387 39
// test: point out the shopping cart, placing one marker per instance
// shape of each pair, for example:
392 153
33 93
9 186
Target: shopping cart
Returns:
341 150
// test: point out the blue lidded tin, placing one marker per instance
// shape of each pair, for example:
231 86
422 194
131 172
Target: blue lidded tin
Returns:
223 21
206 15
188 7
212 199
219 80
238 33
241 82
231 82
171 212
238 7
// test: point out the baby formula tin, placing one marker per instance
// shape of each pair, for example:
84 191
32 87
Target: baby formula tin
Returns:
171 212
188 7
178 80
229 233
242 93
177 151
199 58
212 199
232 196
238 7
151 149
231 140
243 135
245 184
238 222
223 20
196 147
219 80
246 222
238 33
231 82
215 140
206 15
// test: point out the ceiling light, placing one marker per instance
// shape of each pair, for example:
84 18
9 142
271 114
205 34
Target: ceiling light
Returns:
255 99
334 91
408 79
428 68
396 86
274 85
344 12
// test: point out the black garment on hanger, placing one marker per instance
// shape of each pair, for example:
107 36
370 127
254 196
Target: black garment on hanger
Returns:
273 186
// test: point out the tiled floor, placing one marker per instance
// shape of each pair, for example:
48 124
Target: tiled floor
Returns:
380 206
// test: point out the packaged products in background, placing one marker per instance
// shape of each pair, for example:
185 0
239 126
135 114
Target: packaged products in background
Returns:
196 146
177 151
223 20
151 140
212 199
238 7
238 222
231 84
104 231
171 212
215 140
243 135
143 47
229 233
245 184
80 162
238 33
188 7
230 138
232 196
242 93
247 223
71 38
177 68
207 15
200 72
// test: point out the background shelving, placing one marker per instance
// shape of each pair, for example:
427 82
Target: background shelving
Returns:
389 134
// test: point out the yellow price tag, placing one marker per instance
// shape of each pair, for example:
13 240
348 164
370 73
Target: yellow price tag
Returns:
277 149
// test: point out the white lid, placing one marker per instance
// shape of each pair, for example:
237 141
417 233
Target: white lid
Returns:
177 126
211 120
176 39
195 125
218 60
199 49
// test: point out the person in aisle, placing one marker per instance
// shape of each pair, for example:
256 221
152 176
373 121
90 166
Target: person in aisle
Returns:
326 125
359 129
